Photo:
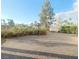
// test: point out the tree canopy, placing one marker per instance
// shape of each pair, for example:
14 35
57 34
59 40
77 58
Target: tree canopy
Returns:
47 14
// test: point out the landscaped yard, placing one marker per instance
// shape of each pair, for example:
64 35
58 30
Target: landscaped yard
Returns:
50 46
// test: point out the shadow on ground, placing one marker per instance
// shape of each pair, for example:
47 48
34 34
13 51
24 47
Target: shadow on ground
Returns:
61 56
8 56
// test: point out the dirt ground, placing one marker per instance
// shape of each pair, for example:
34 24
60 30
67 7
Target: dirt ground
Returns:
51 46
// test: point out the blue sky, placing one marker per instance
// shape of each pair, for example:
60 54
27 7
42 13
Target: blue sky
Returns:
27 11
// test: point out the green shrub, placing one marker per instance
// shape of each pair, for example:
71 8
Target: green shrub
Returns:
42 31
69 29
3 33
21 31
6 33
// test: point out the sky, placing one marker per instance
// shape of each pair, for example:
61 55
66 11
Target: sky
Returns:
27 11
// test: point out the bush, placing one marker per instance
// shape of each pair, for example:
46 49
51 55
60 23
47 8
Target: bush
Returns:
69 29
20 31
42 31
3 33
6 33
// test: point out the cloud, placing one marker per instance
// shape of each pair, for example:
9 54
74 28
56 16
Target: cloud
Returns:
71 13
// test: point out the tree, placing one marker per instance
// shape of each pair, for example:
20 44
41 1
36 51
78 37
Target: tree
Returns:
10 22
3 23
47 15
68 22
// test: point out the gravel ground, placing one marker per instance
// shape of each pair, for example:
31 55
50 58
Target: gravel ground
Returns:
51 46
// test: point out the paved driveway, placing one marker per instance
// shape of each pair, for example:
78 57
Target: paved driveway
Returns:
51 46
